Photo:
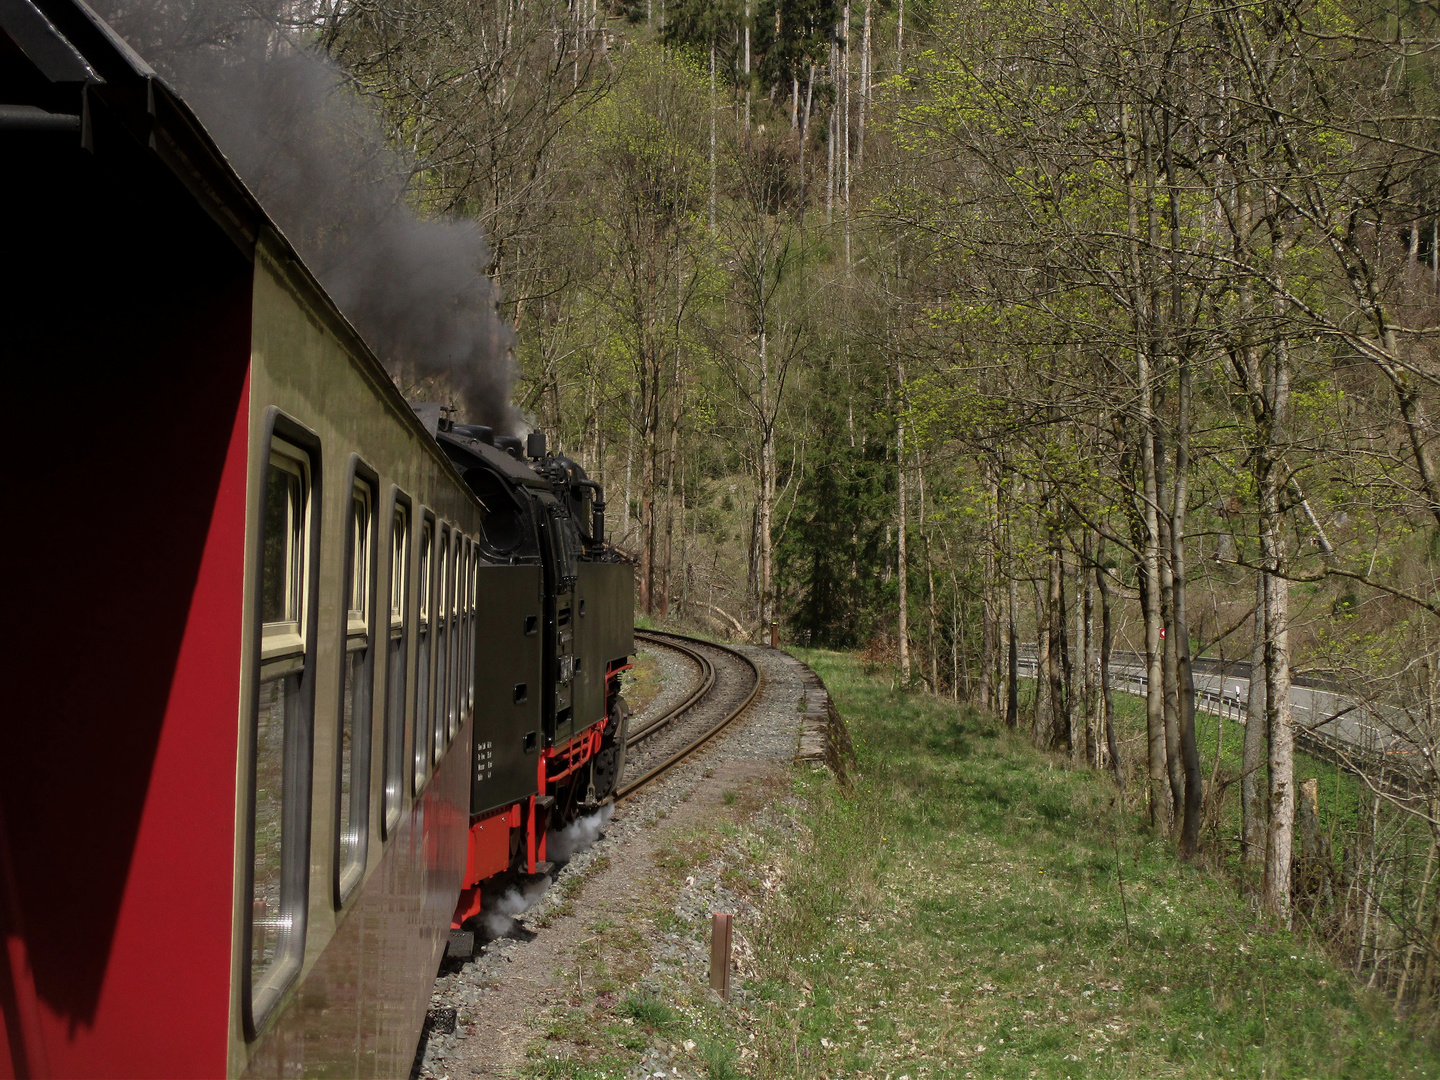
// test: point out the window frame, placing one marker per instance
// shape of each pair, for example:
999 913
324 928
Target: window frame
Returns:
441 688
284 639
356 634
286 652
457 634
395 727
471 657
424 683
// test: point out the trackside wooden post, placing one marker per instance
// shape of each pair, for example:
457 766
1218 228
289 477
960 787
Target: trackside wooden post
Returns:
720 955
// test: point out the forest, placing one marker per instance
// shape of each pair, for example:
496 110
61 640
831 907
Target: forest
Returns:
972 337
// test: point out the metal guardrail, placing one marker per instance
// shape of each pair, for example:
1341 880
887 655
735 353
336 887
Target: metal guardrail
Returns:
1328 725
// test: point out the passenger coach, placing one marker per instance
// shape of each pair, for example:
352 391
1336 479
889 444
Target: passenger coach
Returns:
249 620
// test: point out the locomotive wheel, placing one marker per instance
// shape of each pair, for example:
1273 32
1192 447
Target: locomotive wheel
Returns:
620 721
608 767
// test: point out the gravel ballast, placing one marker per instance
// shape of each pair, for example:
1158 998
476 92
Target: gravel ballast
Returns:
504 999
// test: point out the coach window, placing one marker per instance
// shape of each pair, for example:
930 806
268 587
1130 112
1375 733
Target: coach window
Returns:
457 632
471 647
467 649
279 852
421 711
395 664
470 632
357 680
443 583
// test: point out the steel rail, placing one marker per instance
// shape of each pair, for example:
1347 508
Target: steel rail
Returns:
706 684
626 790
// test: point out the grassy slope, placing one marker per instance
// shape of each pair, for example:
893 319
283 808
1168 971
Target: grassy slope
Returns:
1341 795
959 913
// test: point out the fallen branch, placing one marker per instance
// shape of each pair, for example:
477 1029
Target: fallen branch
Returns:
731 618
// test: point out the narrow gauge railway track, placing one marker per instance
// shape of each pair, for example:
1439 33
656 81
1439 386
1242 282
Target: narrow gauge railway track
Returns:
703 685
728 682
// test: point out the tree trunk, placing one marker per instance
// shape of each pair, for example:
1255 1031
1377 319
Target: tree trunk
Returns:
1012 679
649 421
1280 837
684 607
1271 483
1092 748
1107 640
989 622
900 38
845 134
1059 734
929 570
673 458
629 461
1189 752
1040 721
1159 784
1170 660
805 134
1253 811
747 72
864 89
954 637
900 515
1158 790
833 137
712 136
766 508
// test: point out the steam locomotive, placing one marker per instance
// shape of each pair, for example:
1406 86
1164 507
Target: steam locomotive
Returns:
545 524
296 671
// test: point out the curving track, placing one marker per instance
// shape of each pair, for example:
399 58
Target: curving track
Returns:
726 683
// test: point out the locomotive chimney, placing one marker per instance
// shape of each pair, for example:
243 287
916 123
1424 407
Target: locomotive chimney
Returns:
535 445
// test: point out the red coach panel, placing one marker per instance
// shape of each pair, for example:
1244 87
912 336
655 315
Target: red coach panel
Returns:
126 360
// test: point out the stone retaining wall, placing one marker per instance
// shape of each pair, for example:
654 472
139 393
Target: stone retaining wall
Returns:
824 736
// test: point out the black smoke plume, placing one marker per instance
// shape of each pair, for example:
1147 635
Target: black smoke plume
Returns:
316 156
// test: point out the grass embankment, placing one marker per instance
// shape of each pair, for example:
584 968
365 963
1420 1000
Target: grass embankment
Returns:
1343 799
959 913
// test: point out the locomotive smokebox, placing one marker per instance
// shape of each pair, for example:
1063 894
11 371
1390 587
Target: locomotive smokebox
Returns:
535 445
